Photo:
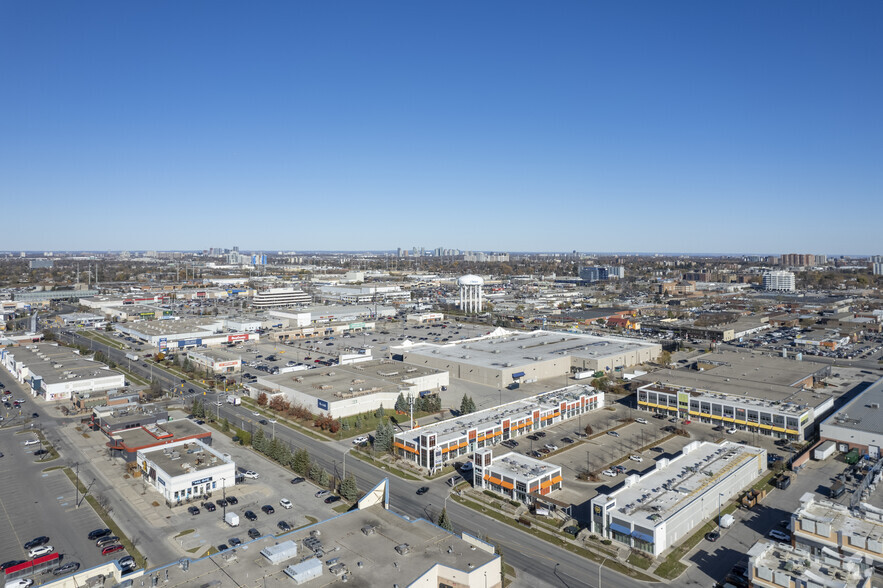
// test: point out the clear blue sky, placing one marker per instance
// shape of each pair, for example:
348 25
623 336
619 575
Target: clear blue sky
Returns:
542 126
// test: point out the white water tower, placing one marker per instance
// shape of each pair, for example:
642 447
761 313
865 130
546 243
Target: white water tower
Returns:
470 293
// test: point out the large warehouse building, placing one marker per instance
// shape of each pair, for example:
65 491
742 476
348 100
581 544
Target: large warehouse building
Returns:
346 390
432 446
858 424
657 510
502 357
57 372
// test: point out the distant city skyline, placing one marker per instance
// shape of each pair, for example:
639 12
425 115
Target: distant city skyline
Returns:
500 126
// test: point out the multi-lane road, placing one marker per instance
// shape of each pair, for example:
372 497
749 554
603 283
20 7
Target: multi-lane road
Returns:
537 563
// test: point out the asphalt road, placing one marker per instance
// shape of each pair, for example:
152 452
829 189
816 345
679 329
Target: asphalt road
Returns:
538 563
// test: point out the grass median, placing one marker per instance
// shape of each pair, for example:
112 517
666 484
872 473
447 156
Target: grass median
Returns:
386 468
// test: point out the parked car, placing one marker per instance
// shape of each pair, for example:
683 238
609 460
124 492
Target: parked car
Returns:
222 503
641 421
104 541
360 439
779 535
567 440
713 536
234 542
283 526
540 433
551 447
298 480
193 510
127 563
285 503
112 549
613 433
36 542
533 437
731 430
251 475
209 506
322 493
610 473
40 551
250 515
268 509
332 499
254 533
232 500
223 547
636 458
98 534
67 568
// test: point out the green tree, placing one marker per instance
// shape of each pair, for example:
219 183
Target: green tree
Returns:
444 521
464 405
258 441
348 489
301 462
324 478
401 403
379 412
316 472
225 425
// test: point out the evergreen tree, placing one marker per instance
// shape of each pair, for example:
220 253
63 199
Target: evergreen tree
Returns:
379 412
444 521
464 405
381 438
359 423
324 478
225 424
401 403
301 462
471 405
348 489
316 472
258 441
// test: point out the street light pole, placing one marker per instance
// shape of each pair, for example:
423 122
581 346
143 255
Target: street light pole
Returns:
719 496
601 565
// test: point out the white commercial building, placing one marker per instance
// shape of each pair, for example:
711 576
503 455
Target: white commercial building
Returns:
516 476
780 281
655 511
56 372
822 527
218 362
279 297
470 293
186 470
777 565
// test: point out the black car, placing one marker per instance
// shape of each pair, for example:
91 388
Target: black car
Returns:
567 440
37 542
422 490
232 500
98 534
268 509
332 499
35 415
209 506
254 533
283 526
193 510
540 434
41 452
298 480
264 422
533 437
191 391
250 515
713 536
234 542
222 503
11 563
67 568
223 547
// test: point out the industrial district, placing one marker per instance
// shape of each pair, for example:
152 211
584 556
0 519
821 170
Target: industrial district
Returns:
438 417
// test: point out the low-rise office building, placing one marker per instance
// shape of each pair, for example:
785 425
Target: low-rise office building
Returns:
280 297
774 565
822 527
186 470
655 511
215 361
432 446
516 476
858 424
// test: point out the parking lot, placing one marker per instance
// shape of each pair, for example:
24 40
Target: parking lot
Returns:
34 502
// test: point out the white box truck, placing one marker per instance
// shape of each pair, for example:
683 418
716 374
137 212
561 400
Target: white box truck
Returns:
132 356
232 519
234 400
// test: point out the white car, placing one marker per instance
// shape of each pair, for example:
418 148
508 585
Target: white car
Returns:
731 431
551 447
20 583
285 503
256 414
360 439
40 551
636 458
32 442
610 473
251 475
640 420
779 535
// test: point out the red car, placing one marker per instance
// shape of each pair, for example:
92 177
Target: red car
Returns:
111 549
686 422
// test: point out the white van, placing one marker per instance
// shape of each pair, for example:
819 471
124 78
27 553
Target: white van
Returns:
32 442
